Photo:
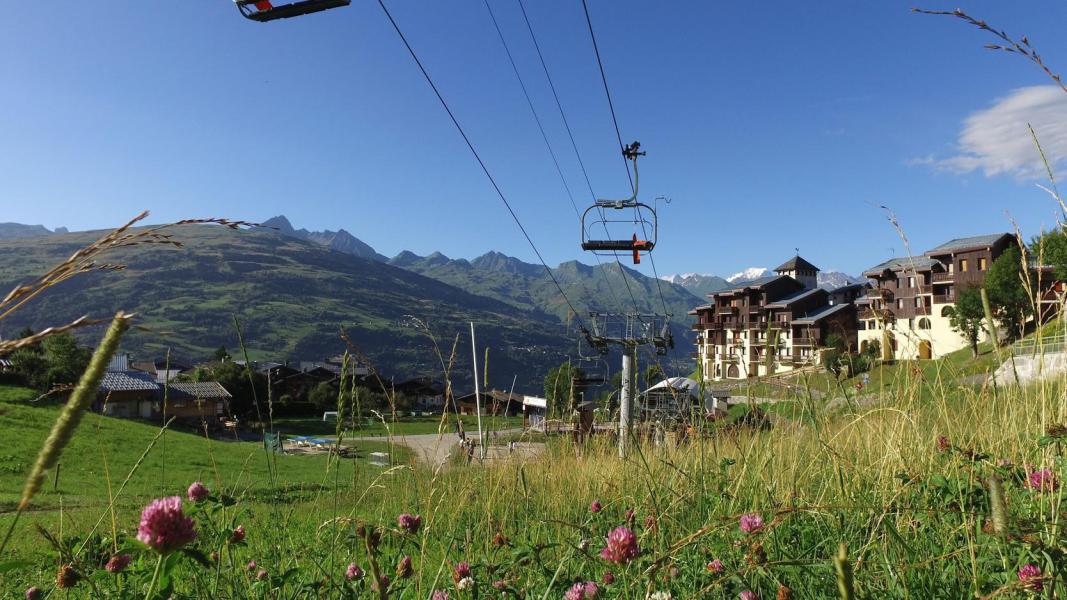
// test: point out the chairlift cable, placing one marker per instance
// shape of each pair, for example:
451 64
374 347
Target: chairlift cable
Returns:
577 154
618 137
544 136
481 163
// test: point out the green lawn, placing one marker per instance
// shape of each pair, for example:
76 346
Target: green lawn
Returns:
105 449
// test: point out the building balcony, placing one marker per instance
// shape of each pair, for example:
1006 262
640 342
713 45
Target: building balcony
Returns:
944 298
804 341
941 277
726 310
926 288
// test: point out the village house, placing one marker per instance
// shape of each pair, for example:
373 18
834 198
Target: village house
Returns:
494 403
206 400
906 312
773 324
426 393
134 394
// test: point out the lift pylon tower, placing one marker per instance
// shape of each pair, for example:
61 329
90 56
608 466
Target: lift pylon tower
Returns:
628 331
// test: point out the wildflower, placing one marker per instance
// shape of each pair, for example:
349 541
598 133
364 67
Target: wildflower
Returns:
1042 480
748 595
251 565
943 445
238 535
751 523
715 566
595 506
660 596
353 572
784 593
67 577
197 492
404 568
500 540
261 574
34 593
409 523
381 584
582 591
621 546
465 584
163 526
1030 575
607 578
439 595
499 584
462 571
118 563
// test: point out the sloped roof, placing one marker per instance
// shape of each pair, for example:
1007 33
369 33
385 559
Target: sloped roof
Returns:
796 264
786 301
848 286
128 381
753 283
901 263
201 390
534 401
820 314
965 243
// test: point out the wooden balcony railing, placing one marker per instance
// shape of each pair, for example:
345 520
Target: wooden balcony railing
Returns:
936 277
944 298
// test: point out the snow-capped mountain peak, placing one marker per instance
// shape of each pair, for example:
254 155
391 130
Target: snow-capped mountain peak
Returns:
749 274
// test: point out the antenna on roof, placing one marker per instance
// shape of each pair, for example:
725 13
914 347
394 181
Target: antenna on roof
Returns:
797 251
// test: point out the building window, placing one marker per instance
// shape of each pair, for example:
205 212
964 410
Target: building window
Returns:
981 264
963 265
917 301
911 282
946 312
900 303
924 323
950 268
911 323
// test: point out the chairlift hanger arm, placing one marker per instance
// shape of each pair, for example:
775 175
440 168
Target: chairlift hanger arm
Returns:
630 152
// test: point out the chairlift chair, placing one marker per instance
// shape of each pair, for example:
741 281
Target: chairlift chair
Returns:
634 245
264 10
598 372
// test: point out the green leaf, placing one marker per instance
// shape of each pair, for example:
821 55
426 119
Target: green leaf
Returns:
12 565
198 556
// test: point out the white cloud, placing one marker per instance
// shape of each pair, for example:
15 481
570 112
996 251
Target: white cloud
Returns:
996 140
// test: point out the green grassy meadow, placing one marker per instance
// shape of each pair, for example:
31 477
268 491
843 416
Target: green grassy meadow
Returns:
903 481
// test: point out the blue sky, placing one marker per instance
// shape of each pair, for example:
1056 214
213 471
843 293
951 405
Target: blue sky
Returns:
771 127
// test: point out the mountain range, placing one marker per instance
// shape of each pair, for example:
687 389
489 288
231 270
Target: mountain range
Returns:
294 288
702 285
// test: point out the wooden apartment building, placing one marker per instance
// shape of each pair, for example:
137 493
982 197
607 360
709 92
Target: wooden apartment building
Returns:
907 309
772 325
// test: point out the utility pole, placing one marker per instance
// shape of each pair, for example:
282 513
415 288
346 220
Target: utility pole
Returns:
477 395
625 398
629 331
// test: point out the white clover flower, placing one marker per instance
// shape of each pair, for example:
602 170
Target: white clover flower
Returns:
465 584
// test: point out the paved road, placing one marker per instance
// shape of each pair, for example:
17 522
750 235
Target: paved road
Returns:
434 448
